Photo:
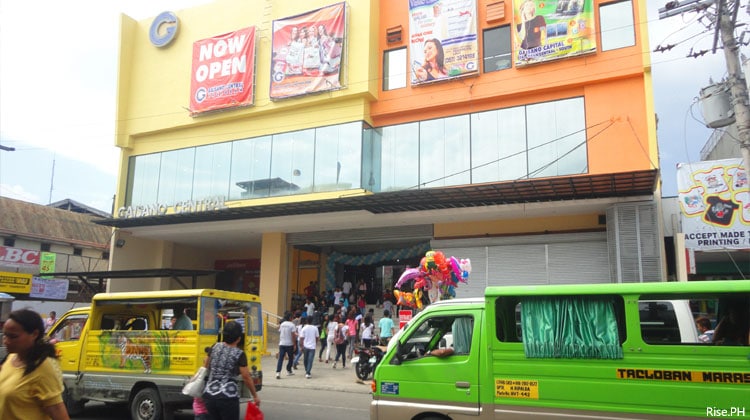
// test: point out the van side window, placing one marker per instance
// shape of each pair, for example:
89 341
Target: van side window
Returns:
441 332
724 319
569 327
70 328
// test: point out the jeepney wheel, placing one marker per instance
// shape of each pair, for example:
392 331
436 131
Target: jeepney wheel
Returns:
146 405
74 407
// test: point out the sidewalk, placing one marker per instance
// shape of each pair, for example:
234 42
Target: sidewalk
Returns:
323 376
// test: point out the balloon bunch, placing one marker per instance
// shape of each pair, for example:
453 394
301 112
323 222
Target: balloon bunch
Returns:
437 275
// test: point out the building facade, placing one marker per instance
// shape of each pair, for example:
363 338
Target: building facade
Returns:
57 238
286 143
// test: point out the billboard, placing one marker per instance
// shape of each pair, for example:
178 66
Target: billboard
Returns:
223 74
714 204
546 31
442 39
307 51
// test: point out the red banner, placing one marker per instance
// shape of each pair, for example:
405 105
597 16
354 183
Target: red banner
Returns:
307 50
223 72
18 256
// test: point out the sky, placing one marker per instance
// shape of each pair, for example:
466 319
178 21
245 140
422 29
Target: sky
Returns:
58 63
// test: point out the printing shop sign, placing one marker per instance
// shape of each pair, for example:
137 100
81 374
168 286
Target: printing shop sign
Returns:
714 204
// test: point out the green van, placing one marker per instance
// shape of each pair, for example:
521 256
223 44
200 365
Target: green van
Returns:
605 351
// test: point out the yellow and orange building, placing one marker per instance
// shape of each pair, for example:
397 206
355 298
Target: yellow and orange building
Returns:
518 134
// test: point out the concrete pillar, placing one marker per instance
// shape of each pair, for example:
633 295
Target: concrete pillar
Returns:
273 273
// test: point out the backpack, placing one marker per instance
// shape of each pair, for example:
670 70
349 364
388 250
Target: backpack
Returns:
339 338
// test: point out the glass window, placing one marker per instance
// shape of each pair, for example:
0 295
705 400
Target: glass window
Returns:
144 173
498 145
496 48
251 164
440 332
176 176
444 152
400 157
338 150
616 22
69 329
394 69
212 168
292 163
557 147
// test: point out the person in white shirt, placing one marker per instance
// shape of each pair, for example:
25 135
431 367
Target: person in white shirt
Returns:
332 325
49 322
346 287
309 307
309 335
287 338
367 329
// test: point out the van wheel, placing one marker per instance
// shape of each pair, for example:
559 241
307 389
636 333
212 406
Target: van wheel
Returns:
146 405
75 408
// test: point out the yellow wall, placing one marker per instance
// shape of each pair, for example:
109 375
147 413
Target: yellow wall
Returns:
154 83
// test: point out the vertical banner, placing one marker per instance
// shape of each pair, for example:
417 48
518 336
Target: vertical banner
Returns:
546 31
223 72
442 39
307 52
714 204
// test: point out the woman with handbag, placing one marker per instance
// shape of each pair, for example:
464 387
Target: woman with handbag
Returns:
226 361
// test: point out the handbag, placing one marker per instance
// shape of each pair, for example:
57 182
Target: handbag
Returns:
253 412
194 386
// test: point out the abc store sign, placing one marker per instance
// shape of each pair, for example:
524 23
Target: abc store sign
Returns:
18 256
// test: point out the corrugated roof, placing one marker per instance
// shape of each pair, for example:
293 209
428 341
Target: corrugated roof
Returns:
50 224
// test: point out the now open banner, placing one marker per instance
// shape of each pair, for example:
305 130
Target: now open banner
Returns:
223 73
714 204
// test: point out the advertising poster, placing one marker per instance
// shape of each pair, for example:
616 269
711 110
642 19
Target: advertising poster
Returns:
714 204
442 39
223 73
546 31
49 288
307 52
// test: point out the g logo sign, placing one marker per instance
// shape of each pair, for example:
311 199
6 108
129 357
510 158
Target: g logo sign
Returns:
161 38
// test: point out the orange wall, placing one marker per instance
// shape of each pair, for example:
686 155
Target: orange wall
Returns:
613 83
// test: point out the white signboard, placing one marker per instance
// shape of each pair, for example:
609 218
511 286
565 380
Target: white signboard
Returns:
49 288
715 204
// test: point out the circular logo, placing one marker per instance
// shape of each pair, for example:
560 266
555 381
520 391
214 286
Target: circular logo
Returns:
163 29
471 65
278 77
200 94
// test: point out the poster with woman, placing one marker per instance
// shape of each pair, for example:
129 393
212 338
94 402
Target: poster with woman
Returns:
443 39
546 31
306 52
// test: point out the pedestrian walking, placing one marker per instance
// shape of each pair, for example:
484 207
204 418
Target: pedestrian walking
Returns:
339 339
330 335
386 328
226 361
287 338
351 333
367 328
323 338
31 384
309 338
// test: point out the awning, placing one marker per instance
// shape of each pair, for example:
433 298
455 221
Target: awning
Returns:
553 189
86 277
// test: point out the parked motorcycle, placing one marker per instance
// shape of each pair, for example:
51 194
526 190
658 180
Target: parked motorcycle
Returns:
365 360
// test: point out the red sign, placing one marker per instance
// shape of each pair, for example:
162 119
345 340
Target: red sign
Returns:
307 51
223 72
18 256
404 316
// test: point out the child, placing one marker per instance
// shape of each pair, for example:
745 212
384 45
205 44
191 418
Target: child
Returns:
199 407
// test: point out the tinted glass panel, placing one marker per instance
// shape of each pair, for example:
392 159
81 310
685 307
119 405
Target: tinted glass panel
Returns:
616 21
496 44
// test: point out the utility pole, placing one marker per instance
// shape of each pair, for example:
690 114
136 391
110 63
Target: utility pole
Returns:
735 79
725 21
